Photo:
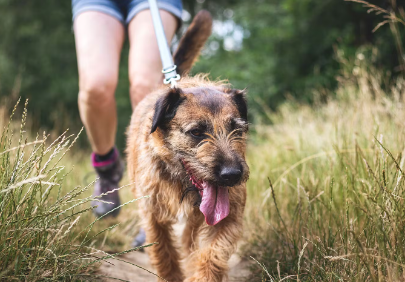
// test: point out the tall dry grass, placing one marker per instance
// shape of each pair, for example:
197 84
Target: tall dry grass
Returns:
332 208
47 231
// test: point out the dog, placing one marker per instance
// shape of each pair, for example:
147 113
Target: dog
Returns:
186 150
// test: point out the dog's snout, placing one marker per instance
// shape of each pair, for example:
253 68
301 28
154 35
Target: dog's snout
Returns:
231 175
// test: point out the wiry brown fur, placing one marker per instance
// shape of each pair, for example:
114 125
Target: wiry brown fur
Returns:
156 166
193 41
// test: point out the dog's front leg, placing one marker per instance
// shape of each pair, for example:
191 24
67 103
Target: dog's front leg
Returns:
159 214
164 256
211 261
191 230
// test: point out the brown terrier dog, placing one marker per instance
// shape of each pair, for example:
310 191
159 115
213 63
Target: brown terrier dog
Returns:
186 150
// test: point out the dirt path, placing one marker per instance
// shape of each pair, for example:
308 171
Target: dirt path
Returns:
118 269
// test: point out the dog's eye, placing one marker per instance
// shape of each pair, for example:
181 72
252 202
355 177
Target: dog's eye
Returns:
197 133
239 127
233 124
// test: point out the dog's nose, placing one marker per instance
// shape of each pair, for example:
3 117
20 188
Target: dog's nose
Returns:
231 175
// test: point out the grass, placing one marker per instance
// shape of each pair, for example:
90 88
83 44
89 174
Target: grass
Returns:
332 207
47 231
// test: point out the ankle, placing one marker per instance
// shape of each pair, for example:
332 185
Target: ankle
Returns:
104 160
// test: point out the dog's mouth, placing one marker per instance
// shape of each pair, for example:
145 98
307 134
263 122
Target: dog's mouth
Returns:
215 200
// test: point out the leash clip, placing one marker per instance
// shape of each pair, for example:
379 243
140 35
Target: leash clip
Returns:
169 68
169 78
172 80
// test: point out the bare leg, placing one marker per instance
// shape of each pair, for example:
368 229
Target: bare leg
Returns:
99 38
145 66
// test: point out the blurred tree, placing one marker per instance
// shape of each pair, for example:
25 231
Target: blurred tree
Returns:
273 47
289 47
37 54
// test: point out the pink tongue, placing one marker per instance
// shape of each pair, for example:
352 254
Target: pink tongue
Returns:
214 204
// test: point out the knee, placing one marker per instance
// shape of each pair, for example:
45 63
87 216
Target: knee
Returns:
97 90
141 85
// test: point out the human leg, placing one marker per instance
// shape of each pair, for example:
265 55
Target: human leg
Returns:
99 38
145 66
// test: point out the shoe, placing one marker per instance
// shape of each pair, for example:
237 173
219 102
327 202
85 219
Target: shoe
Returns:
110 173
139 239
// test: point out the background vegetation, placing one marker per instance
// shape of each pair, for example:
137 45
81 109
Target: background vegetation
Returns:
326 98
332 206
275 48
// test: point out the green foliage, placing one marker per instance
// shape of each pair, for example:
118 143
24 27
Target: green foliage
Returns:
288 49
291 47
38 57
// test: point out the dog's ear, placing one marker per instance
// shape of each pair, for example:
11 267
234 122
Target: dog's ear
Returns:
239 99
165 107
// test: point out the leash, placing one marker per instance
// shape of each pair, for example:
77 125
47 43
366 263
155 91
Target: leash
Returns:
169 68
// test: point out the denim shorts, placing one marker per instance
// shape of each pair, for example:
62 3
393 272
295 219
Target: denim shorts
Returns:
124 10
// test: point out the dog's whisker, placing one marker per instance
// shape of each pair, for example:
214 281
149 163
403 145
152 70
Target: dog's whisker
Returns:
211 136
238 138
205 141
237 130
219 131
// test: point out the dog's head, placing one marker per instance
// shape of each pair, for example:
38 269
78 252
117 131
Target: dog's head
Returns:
205 128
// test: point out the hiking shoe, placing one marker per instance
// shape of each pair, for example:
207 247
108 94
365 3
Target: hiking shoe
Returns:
110 173
139 239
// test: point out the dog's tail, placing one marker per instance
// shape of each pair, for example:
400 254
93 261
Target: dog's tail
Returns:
192 42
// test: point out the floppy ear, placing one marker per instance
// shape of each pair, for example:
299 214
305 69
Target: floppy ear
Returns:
239 99
165 107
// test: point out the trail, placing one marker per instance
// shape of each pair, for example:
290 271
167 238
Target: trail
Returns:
118 269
